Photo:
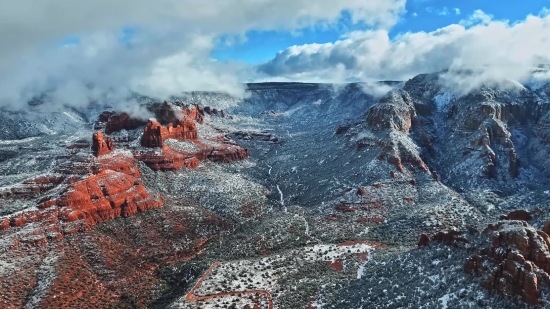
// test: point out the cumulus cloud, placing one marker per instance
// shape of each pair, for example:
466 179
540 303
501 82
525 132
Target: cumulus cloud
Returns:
495 49
168 54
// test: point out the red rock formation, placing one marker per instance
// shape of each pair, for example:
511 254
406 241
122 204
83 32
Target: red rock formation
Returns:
115 121
228 153
370 220
173 112
107 189
167 160
424 240
117 266
521 257
100 146
170 159
193 113
155 133
32 187
337 265
361 191
105 196
345 208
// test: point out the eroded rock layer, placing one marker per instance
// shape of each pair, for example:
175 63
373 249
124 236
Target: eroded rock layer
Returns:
155 133
516 260
94 191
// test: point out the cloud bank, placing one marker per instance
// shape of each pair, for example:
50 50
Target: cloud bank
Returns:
495 49
168 52
168 48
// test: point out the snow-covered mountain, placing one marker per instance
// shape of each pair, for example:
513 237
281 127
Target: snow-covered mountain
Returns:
330 167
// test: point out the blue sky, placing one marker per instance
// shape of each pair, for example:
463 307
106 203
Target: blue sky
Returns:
421 15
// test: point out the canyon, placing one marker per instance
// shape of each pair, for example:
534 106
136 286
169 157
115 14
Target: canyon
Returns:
298 195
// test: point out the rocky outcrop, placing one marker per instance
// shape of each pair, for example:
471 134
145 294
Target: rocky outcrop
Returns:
94 191
192 113
258 135
117 121
519 214
155 133
213 111
32 187
394 111
515 261
424 240
101 146
173 112
168 159
228 153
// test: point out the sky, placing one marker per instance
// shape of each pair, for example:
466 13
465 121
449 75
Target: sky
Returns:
420 15
105 50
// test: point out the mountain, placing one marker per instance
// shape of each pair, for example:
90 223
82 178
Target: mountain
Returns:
297 195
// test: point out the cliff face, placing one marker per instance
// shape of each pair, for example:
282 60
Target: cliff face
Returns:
516 262
155 133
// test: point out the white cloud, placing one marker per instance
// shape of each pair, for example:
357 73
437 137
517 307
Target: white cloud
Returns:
478 17
457 11
498 48
169 54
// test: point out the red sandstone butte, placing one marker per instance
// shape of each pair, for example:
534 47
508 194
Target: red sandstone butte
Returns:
155 133
100 146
